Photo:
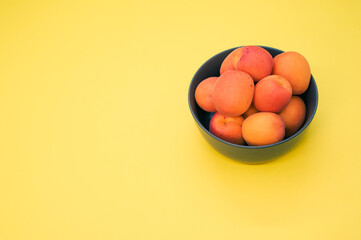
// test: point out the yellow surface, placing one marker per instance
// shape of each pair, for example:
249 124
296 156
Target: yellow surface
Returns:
97 141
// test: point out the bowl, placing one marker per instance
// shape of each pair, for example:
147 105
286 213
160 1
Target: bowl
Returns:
245 153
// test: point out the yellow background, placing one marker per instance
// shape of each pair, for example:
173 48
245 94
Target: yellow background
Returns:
97 140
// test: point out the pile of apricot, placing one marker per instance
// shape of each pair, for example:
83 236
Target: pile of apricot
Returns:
256 97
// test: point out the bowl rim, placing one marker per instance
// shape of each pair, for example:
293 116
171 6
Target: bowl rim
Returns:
247 146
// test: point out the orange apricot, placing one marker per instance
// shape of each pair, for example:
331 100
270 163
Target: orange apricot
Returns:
272 94
251 110
254 60
204 92
295 68
294 115
263 128
233 93
227 128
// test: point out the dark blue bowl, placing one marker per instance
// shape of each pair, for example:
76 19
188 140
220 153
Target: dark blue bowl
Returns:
244 153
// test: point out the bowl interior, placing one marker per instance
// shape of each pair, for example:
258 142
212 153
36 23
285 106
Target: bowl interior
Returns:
211 69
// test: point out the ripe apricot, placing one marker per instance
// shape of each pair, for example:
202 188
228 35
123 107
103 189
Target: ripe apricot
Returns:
251 110
272 94
254 60
294 115
227 128
263 128
204 92
233 93
295 68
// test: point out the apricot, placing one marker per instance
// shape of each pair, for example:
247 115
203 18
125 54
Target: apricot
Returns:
294 115
254 60
233 93
251 110
204 92
229 63
295 68
272 94
227 128
263 128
